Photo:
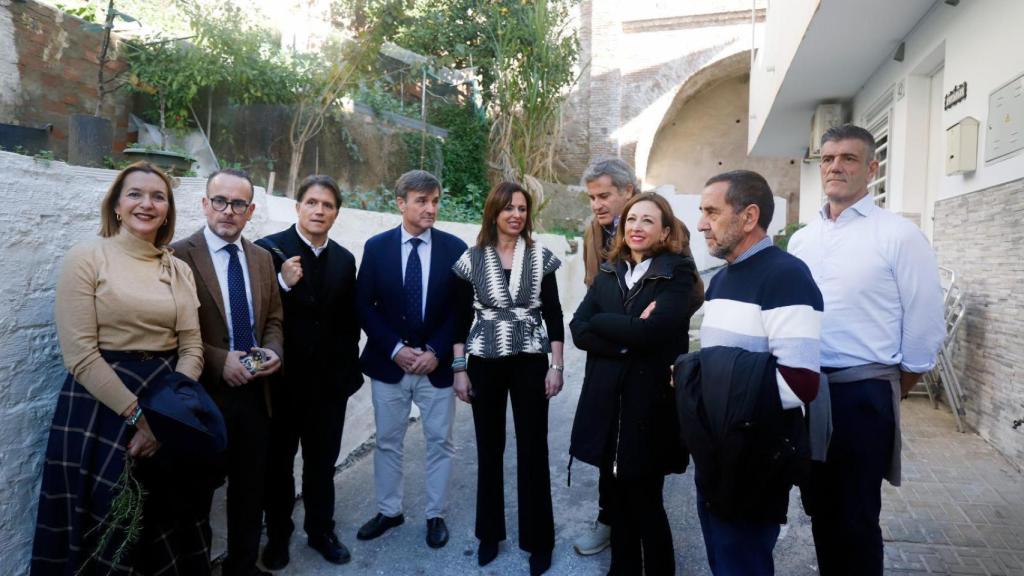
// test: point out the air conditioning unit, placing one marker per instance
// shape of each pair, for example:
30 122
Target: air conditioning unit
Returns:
825 116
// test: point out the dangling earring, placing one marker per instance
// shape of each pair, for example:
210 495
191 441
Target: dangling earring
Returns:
118 216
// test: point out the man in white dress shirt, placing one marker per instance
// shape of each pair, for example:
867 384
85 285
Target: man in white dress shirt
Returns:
881 329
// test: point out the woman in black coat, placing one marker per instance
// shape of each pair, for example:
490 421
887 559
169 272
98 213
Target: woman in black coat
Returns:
633 324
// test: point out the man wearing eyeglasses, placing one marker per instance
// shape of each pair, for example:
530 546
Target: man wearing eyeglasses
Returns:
240 317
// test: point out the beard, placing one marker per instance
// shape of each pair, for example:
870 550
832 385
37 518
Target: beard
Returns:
727 241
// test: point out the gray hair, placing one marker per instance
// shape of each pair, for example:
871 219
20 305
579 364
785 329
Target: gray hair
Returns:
622 174
418 181
852 132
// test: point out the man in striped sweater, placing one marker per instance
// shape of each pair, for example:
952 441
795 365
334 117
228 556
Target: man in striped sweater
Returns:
764 300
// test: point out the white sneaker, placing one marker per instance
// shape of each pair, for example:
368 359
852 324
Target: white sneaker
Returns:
597 538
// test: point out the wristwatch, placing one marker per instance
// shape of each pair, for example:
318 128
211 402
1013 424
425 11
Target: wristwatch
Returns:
559 367
134 418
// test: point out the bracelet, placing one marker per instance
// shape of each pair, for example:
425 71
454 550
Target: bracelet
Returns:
558 367
134 418
459 364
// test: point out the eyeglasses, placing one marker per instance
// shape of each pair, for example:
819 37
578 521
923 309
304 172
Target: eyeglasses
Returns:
239 207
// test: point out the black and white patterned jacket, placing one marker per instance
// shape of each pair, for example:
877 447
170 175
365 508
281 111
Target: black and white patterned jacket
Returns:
508 314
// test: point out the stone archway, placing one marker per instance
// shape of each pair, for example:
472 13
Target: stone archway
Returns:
704 132
727 65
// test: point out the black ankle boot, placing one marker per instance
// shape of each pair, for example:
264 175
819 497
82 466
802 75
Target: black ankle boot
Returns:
486 552
540 562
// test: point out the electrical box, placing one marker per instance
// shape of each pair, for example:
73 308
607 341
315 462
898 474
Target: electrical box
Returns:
962 146
1005 131
825 116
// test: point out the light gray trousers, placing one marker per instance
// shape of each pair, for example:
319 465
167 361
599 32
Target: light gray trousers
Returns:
391 406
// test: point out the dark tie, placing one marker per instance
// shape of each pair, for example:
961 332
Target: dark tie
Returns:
241 324
414 289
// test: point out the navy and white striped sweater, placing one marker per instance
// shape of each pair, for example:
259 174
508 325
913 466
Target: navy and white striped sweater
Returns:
767 301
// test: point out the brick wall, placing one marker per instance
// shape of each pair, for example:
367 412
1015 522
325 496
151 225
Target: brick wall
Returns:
979 235
54 72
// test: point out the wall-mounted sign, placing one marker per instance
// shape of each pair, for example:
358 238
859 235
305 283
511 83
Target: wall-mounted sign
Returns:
957 95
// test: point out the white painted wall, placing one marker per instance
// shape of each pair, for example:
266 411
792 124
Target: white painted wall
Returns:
980 43
783 31
47 207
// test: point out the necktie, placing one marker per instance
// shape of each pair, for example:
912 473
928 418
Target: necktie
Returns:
241 324
414 288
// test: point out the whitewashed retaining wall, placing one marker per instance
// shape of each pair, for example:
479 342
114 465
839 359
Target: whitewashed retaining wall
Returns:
47 207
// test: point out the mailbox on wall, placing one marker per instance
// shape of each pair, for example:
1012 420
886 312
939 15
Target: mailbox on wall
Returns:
962 146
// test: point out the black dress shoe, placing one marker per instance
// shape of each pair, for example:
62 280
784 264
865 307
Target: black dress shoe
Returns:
275 554
437 533
540 562
330 548
486 552
378 525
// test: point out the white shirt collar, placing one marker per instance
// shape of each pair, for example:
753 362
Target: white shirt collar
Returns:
216 243
424 236
864 207
316 249
634 274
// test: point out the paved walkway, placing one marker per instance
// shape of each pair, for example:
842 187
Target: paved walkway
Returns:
960 511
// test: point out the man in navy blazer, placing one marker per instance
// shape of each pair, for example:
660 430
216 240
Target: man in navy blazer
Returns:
406 301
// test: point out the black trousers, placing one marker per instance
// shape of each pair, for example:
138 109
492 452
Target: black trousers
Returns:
316 421
520 377
244 466
605 498
641 536
843 494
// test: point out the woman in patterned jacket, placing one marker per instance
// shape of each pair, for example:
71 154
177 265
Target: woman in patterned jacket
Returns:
510 280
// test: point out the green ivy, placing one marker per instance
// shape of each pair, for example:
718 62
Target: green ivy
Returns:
465 149
782 238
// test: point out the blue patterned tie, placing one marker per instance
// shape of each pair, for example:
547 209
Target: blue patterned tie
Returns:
241 324
414 289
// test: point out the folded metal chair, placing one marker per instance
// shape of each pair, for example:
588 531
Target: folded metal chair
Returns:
944 373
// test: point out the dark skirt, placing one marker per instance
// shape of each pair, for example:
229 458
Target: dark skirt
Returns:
85 456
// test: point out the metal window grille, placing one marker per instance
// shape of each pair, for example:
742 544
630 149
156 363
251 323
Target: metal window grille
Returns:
879 128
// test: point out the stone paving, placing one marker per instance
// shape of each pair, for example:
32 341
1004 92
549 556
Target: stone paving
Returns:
961 507
960 511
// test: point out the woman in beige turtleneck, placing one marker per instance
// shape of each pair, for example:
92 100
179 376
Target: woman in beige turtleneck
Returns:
126 314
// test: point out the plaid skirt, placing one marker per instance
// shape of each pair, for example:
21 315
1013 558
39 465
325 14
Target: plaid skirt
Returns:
85 456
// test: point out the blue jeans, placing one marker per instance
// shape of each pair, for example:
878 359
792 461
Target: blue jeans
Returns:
737 548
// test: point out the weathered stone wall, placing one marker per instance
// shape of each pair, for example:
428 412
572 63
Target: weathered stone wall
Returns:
637 58
979 235
52 72
706 135
360 150
46 207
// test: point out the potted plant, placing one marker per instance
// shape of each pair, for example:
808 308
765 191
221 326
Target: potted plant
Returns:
172 73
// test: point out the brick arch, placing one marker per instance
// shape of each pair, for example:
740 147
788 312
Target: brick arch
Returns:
725 66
